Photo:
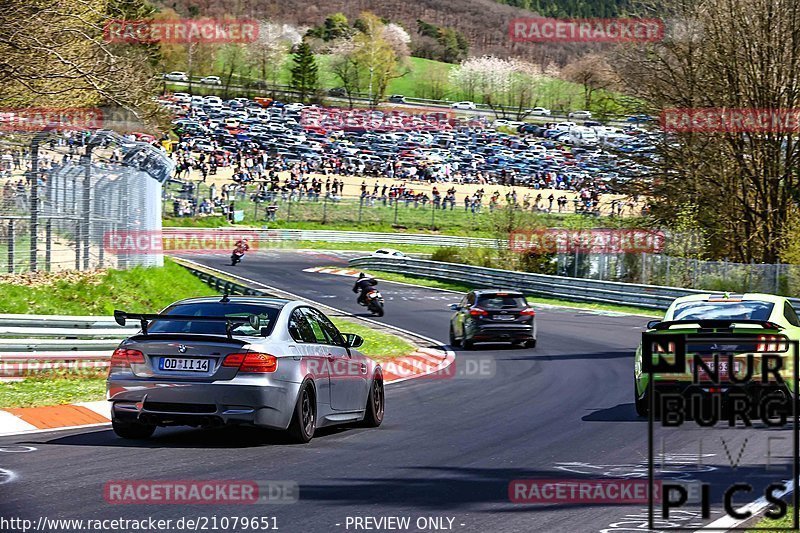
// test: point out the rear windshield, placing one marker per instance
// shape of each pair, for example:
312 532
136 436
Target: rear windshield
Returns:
267 314
750 310
496 301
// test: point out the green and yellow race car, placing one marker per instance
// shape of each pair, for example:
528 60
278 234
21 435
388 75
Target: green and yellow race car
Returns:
710 333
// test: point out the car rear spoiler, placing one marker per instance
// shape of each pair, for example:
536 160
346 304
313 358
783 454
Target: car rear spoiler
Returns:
714 324
120 317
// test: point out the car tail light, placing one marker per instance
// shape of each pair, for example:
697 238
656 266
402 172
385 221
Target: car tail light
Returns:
477 311
771 343
123 358
234 359
252 362
527 312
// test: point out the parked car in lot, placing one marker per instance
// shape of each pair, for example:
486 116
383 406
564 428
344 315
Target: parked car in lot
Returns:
491 315
581 115
538 112
397 99
176 76
464 105
211 80
636 119
256 361
582 136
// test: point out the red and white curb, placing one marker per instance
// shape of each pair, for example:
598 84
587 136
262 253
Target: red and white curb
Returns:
421 363
33 419
349 272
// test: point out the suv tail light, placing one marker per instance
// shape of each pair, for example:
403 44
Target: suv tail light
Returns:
477 311
527 312
771 343
261 363
123 358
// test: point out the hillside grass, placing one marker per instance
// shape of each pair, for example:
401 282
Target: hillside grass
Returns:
139 289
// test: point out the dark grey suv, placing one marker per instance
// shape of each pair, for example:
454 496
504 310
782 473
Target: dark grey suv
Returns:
493 315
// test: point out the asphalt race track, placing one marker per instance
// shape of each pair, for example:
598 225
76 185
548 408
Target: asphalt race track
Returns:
448 447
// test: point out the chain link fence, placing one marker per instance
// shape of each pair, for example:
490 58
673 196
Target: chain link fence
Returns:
661 269
64 192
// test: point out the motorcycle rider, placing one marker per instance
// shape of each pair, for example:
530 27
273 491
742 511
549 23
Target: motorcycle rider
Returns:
240 248
363 284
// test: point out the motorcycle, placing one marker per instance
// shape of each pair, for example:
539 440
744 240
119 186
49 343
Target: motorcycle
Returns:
374 302
236 256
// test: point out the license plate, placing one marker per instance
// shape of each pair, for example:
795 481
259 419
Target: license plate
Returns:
181 364
723 368
504 317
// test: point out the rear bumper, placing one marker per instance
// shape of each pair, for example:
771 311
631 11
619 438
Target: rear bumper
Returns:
502 332
269 405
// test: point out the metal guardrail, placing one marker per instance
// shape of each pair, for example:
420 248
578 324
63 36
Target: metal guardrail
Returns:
35 343
265 236
572 289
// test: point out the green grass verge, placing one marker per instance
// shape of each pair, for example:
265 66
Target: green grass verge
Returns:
460 287
137 290
52 390
781 524
377 345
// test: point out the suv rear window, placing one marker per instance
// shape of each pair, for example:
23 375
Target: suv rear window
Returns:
497 301
267 315
748 310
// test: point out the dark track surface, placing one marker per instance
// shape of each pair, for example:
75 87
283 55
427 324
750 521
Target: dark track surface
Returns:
447 448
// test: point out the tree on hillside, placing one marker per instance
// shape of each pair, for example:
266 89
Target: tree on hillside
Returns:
344 66
305 77
593 73
268 54
498 83
232 58
334 27
375 57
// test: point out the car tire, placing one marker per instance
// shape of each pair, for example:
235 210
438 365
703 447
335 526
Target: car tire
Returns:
304 419
373 414
132 430
643 403
529 344
453 342
467 344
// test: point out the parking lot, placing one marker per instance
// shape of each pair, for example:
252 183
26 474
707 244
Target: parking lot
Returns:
252 141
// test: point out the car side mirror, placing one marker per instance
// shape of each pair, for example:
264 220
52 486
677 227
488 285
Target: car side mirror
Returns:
653 323
353 340
454 307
